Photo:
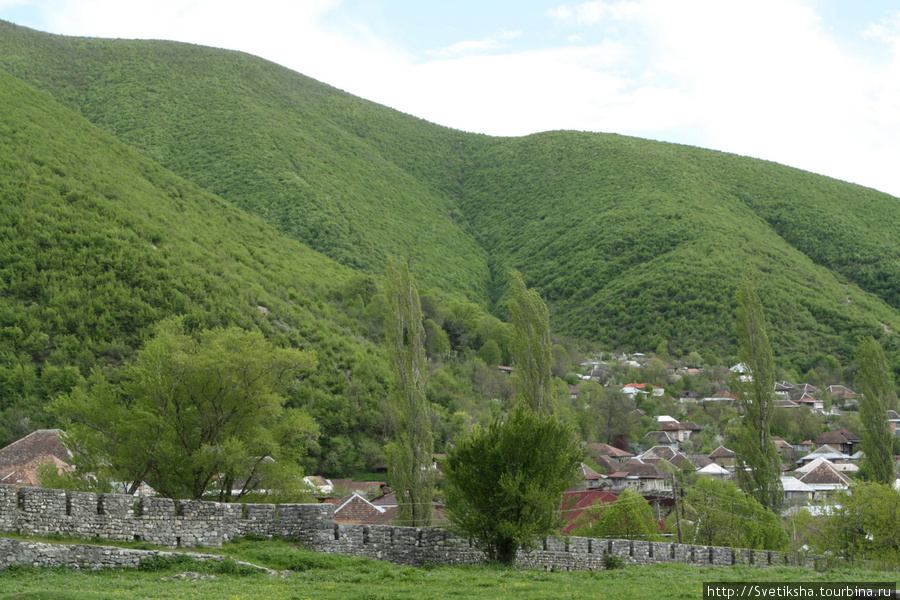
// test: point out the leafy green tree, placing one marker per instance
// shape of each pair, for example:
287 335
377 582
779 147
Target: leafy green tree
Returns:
629 517
504 482
193 415
531 346
410 452
759 471
862 524
436 341
562 362
611 413
722 515
876 384
490 353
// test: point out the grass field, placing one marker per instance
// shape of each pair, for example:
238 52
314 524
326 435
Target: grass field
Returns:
311 575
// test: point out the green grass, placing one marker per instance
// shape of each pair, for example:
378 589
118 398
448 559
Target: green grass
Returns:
314 575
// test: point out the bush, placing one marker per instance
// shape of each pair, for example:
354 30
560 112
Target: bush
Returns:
613 561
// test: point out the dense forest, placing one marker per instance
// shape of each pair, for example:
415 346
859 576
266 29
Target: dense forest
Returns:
143 180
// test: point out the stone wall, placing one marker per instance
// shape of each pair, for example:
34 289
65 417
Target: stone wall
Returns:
83 556
160 521
190 523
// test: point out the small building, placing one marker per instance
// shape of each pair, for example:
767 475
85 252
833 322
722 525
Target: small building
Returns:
805 399
715 471
843 439
595 451
575 503
840 391
894 421
721 396
355 509
21 461
589 480
633 389
825 479
723 457
660 438
681 431
796 492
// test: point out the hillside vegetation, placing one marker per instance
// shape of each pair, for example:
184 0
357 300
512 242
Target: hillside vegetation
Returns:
634 244
99 243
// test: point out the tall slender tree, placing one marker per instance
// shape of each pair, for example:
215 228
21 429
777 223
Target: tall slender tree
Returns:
876 384
410 452
759 464
531 346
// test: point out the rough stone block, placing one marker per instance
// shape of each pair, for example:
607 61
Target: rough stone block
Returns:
43 502
116 506
81 504
156 508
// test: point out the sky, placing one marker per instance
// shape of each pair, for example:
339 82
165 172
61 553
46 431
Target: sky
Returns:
813 84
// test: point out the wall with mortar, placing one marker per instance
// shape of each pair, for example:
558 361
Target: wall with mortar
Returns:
190 523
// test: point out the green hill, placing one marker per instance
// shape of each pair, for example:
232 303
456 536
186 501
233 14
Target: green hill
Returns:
338 173
633 243
99 243
636 242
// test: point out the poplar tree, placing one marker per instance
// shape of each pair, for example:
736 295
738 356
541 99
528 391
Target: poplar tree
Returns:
410 452
759 464
876 384
531 346
504 483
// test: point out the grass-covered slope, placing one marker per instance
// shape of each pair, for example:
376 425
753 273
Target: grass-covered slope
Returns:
98 243
326 168
632 242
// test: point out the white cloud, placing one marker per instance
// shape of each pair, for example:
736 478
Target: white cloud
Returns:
766 78
486 44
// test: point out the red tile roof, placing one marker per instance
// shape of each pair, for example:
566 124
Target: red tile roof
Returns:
42 442
575 503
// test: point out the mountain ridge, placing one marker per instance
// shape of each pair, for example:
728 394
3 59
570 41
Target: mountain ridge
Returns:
633 243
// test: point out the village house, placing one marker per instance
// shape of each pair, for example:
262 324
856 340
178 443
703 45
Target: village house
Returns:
715 471
894 421
640 477
574 503
589 479
595 451
796 493
633 389
805 399
680 430
660 438
721 396
723 457
783 389
355 509
843 439
824 479
21 461
840 391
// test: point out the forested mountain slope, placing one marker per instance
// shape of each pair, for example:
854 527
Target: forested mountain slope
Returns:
352 179
636 242
98 243
633 243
